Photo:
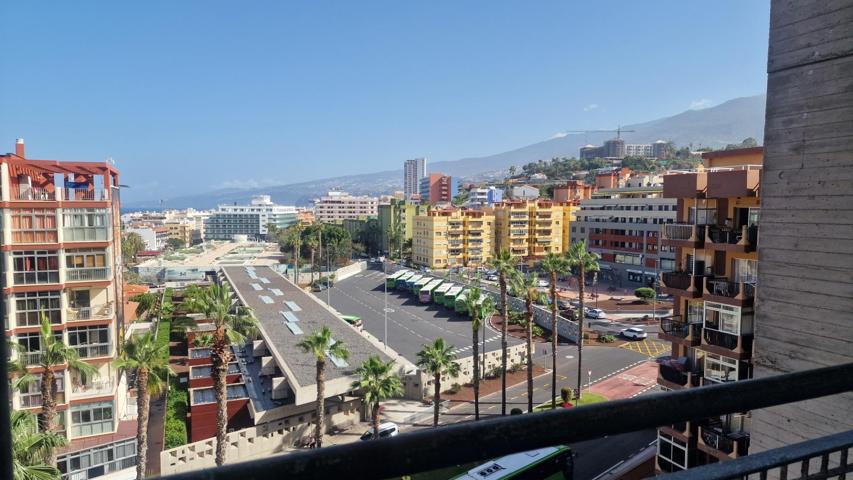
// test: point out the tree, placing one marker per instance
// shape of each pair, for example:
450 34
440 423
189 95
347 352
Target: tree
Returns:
30 448
504 263
526 288
584 261
131 245
53 354
479 306
145 303
377 383
554 265
150 360
229 329
175 244
644 293
512 170
291 237
18 373
319 344
438 359
311 242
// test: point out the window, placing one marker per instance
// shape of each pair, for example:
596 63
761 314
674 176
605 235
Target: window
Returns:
205 371
695 312
91 419
36 225
98 461
722 318
28 305
720 369
745 270
85 224
85 258
206 395
702 216
90 341
672 453
35 267
31 394
667 264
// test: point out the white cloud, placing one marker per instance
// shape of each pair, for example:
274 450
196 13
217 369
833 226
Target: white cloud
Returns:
557 135
700 104
248 183
590 107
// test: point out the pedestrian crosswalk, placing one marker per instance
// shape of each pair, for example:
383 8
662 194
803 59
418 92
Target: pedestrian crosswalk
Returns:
469 347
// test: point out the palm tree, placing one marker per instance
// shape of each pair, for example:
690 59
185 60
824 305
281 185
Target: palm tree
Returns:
292 238
150 360
312 242
229 329
504 263
21 378
321 344
377 383
53 354
479 306
554 265
30 448
438 359
584 261
525 287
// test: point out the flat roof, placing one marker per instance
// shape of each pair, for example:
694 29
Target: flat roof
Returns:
307 313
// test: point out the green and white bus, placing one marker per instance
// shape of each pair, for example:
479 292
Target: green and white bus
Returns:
549 463
410 283
391 278
425 294
416 289
450 296
460 302
439 293
401 280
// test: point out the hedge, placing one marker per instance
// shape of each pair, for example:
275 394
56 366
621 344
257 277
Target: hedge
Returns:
177 398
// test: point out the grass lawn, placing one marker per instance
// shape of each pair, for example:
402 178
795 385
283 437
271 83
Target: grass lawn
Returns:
586 399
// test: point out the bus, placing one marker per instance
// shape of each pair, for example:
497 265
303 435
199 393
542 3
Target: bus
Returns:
391 279
450 296
353 320
425 294
439 293
401 280
549 463
421 284
410 283
460 306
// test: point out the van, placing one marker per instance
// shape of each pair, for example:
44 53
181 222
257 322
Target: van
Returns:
386 429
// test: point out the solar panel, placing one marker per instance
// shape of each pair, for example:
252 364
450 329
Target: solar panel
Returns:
292 305
264 280
339 362
290 316
277 292
294 328
265 299
257 287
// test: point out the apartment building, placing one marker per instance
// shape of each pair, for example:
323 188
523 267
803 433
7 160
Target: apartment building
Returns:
617 148
399 212
453 237
573 191
413 171
529 229
60 255
437 188
180 231
251 220
622 224
713 285
479 197
337 205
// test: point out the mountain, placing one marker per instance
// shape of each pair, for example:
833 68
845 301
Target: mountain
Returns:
714 127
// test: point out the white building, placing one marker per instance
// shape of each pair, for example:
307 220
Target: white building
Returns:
413 171
524 192
484 196
336 206
149 236
250 220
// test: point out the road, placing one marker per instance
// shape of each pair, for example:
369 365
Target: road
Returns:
411 324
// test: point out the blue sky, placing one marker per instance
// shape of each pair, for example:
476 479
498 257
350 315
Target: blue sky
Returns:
191 96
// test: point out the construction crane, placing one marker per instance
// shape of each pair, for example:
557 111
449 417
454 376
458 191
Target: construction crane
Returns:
618 131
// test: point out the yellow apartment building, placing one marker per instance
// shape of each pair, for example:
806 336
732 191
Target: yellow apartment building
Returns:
181 231
529 229
450 238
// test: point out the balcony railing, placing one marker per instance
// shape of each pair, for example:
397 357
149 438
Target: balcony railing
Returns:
676 327
680 377
716 437
95 387
84 194
681 231
90 313
451 445
720 339
722 287
677 280
92 351
30 358
25 192
87 274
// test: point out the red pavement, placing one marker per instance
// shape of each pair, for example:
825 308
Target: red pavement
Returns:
628 383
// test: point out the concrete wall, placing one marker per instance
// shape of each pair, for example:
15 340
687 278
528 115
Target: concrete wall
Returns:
805 286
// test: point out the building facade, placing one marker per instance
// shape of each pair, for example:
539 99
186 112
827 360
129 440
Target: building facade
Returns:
251 220
337 206
617 148
438 188
61 257
622 224
528 229
524 192
413 171
479 197
453 238
573 191
402 213
713 285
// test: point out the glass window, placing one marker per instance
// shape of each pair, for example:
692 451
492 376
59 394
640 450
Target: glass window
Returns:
723 318
35 267
31 394
745 270
85 224
90 341
720 369
91 418
29 305
672 453
37 225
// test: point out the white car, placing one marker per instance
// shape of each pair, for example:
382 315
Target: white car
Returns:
634 333
595 313
542 283
386 429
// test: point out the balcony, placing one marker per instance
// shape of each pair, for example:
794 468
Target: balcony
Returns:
90 313
683 235
673 377
741 239
34 400
88 274
84 195
38 194
100 386
731 293
30 358
92 351
682 284
716 439
722 343
685 185
734 183
675 329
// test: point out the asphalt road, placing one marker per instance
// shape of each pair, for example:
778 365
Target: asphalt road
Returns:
411 324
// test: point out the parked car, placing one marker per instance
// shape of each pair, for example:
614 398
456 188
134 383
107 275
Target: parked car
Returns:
595 313
319 287
386 429
492 278
542 283
635 333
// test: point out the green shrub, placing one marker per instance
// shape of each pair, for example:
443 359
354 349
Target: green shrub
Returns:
586 335
566 394
455 388
644 293
516 411
606 339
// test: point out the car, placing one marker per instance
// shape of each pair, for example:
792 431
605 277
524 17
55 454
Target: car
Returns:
595 313
542 283
373 260
386 429
564 304
319 287
492 278
635 333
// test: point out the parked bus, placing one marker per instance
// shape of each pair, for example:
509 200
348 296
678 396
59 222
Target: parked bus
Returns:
439 293
425 294
391 279
416 289
549 462
450 296
401 280
460 302
410 283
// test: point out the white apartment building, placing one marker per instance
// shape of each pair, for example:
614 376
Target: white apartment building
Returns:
336 206
250 220
413 171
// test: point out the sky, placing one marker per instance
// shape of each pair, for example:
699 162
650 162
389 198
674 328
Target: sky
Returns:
198 95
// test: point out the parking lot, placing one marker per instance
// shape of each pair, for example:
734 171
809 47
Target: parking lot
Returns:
411 324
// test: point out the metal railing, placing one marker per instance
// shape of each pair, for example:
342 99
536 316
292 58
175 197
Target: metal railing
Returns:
92 351
679 377
95 387
451 445
25 192
30 358
720 339
84 194
718 234
87 274
679 231
676 327
677 280
89 313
